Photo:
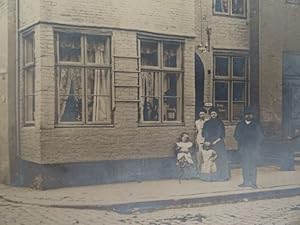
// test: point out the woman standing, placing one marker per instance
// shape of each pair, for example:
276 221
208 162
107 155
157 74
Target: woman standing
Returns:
214 134
199 139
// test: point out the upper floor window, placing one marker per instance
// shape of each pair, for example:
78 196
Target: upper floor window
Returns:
296 2
230 85
83 64
161 81
230 7
28 79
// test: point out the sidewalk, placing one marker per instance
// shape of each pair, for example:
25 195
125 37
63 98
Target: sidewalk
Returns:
127 197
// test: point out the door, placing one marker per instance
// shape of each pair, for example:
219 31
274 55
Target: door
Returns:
199 84
291 93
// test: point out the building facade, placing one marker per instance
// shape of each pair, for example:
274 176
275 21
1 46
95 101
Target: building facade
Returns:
99 92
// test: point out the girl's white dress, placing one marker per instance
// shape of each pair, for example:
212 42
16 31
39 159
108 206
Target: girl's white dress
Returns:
184 152
209 165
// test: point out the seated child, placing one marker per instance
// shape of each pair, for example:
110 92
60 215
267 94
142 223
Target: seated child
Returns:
209 156
183 151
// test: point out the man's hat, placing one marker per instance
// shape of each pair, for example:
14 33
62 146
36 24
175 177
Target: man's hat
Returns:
213 109
203 110
248 110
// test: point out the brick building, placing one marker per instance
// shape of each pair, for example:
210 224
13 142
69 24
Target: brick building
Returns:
99 91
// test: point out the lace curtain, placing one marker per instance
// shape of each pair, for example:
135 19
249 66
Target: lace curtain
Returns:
101 110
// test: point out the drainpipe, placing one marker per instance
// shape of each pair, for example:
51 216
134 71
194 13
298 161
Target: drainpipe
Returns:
17 169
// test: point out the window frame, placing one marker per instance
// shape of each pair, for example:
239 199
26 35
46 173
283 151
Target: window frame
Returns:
231 80
27 66
84 66
230 13
162 70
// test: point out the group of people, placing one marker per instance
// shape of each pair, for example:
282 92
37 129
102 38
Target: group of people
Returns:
211 154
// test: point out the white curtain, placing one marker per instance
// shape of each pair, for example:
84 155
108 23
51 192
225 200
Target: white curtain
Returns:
101 104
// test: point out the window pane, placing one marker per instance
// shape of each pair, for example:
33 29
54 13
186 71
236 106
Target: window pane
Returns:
29 81
172 57
223 110
238 108
98 50
29 103
70 108
150 84
221 6
69 47
149 53
28 49
238 7
221 66
70 81
172 96
70 90
150 109
238 92
239 66
221 91
99 95
29 108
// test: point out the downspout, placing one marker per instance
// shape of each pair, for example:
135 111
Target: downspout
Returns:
18 162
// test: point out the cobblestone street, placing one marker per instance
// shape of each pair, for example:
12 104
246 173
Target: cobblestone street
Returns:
285 211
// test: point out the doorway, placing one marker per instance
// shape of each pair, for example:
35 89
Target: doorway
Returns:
199 85
291 93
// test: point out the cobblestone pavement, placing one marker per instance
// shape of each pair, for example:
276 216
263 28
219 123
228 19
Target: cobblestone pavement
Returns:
285 211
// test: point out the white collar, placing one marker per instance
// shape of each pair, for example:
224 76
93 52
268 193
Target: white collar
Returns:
247 122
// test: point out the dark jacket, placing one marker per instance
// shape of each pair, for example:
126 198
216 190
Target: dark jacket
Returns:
248 134
213 129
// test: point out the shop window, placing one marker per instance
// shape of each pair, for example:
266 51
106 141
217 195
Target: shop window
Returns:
230 85
83 79
161 82
230 7
28 79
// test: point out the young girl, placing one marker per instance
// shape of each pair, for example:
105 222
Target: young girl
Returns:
209 156
183 149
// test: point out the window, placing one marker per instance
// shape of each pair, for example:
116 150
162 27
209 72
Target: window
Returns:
161 81
230 85
28 79
296 2
83 79
230 7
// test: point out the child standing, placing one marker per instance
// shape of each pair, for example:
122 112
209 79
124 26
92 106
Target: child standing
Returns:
183 149
209 156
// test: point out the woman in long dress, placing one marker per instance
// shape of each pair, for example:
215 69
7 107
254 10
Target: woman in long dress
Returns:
214 134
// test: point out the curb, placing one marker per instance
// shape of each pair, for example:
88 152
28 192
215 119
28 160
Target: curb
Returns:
149 206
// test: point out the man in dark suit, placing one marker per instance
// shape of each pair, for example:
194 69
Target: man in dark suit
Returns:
248 134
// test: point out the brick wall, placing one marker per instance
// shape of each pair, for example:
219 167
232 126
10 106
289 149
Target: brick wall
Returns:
29 12
126 139
279 32
228 33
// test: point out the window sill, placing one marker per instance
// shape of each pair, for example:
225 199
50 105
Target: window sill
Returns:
84 126
170 124
29 126
230 15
